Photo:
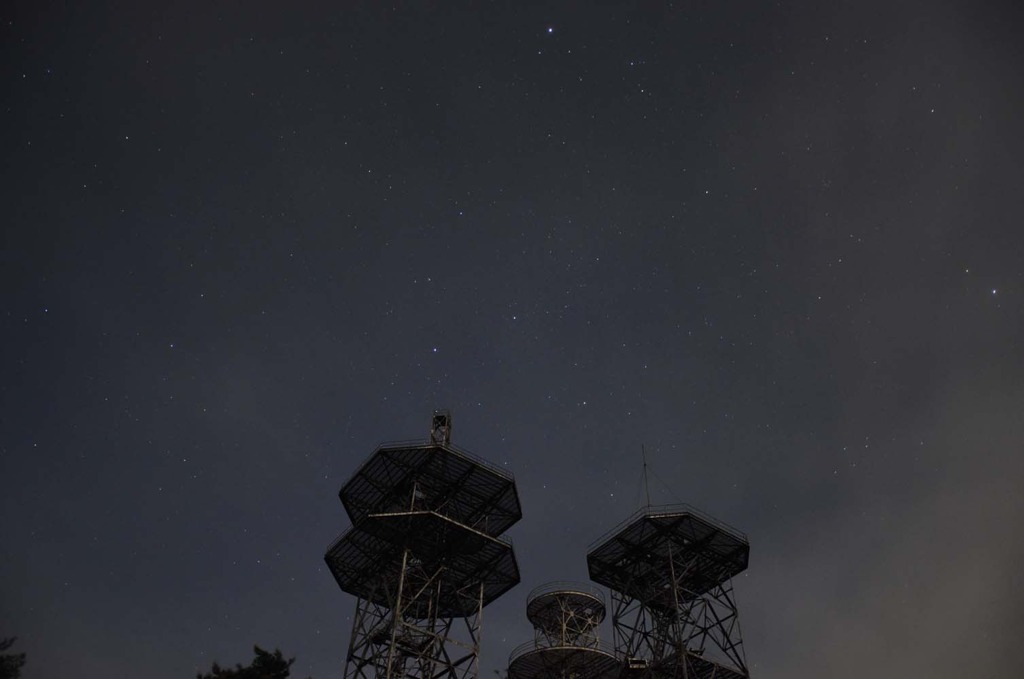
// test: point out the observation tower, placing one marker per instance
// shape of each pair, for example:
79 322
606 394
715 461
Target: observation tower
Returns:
424 555
565 618
674 615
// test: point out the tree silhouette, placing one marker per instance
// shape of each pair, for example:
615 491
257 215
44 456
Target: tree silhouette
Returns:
10 663
264 666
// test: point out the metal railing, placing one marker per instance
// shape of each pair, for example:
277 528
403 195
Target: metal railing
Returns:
566 586
535 645
450 447
665 510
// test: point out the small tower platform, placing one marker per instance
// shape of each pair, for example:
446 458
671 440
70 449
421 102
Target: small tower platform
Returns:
565 618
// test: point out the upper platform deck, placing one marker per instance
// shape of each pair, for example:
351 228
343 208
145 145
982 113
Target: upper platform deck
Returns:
657 546
435 477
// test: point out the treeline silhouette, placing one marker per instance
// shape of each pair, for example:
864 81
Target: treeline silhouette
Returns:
265 665
10 663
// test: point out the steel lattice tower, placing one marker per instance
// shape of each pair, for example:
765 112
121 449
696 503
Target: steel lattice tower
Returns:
424 556
674 614
565 618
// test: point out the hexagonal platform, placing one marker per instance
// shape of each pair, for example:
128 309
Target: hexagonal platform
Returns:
366 561
695 666
433 477
566 611
640 558
530 661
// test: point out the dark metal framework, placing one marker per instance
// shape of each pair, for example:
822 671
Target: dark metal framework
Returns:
674 612
565 618
424 556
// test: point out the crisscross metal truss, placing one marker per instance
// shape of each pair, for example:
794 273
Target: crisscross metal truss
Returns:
674 611
565 618
407 637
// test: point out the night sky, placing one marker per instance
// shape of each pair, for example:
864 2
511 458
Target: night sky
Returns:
778 246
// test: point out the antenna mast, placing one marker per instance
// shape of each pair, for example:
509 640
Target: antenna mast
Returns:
647 482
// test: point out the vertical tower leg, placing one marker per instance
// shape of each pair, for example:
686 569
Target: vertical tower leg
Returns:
407 638
710 625
364 660
638 633
460 644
